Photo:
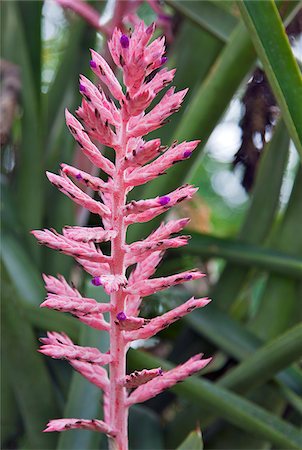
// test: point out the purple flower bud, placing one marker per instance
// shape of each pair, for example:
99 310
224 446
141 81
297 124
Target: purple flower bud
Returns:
121 316
124 40
164 200
92 64
96 281
160 372
163 60
82 88
79 176
187 154
188 277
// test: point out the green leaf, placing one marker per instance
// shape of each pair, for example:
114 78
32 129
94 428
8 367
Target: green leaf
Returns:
271 43
31 13
21 269
275 315
233 338
29 177
244 254
46 319
192 442
148 435
265 199
227 405
208 16
56 98
266 362
10 417
29 377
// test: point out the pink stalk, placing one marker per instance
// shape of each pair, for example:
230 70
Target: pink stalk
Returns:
120 124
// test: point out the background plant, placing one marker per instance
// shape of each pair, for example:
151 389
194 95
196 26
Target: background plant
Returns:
251 249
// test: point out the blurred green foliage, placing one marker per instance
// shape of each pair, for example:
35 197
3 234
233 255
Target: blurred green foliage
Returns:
250 244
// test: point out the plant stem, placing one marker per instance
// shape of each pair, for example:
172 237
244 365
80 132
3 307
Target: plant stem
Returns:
118 409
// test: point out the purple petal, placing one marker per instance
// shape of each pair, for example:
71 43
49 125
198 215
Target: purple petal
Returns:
82 88
96 281
124 40
163 60
121 316
92 64
187 154
79 176
164 200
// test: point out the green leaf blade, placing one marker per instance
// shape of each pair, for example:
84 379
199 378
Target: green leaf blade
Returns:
271 43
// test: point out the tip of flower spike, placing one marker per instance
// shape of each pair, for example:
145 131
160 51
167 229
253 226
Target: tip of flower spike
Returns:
121 316
164 200
184 222
124 40
96 281
150 29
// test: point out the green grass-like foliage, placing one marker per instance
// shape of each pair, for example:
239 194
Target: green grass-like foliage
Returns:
250 396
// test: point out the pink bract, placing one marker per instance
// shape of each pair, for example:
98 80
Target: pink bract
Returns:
120 124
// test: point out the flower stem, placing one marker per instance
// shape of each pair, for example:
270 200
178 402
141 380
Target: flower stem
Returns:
118 408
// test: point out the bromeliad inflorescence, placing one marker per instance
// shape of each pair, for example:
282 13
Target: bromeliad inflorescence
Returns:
120 124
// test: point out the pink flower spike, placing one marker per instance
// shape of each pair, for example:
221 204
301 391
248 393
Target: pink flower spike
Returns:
59 286
85 309
130 323
88 180
137 378
119 115
87 234
167 380
93 373
66 186
145 210
102 69
54 240
71 424
88 148
159 323
58 347
157 284
138 251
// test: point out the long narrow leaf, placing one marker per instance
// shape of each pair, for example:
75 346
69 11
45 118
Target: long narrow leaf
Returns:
260 216
245 254
30 380
207 15
266 362
229 406
268 34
